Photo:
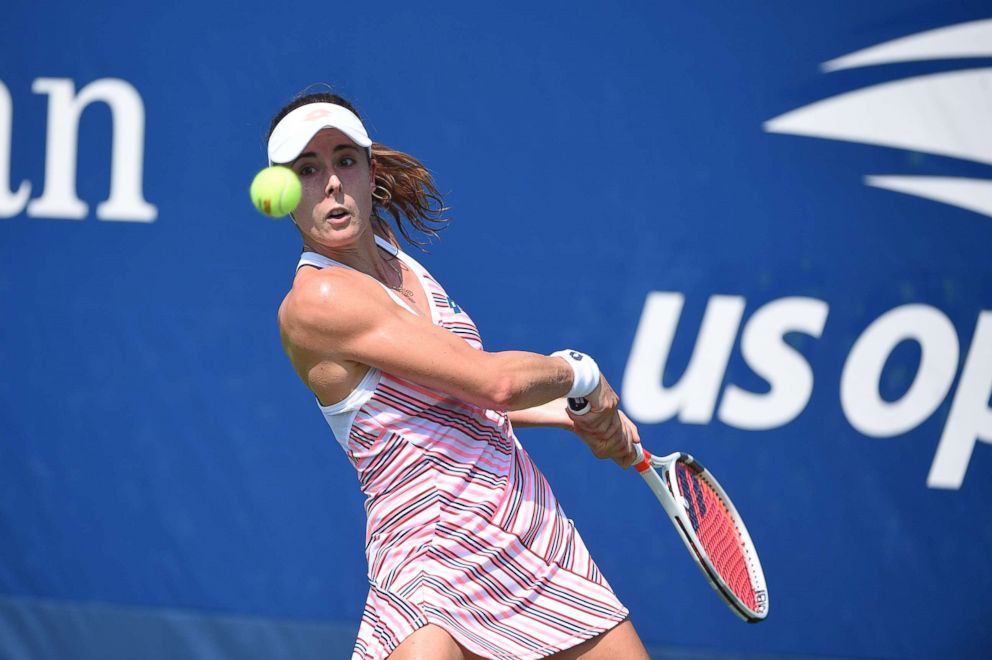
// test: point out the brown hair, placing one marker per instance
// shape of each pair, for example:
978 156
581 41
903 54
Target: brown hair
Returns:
409 189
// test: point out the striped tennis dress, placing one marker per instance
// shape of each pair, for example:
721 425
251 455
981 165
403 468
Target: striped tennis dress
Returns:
463 530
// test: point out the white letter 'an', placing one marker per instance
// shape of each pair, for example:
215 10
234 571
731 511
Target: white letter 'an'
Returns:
645 399
59 198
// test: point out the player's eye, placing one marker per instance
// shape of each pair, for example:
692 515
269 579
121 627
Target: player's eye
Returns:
347 161
306 170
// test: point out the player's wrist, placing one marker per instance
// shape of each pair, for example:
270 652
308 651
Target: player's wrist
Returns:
585 373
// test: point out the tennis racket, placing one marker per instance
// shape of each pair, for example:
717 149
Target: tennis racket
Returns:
709 525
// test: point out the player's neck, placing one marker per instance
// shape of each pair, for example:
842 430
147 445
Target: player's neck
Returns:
364 255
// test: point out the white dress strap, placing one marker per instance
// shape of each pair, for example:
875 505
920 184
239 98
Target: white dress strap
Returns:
341 415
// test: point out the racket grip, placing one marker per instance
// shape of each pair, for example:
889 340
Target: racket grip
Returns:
579 406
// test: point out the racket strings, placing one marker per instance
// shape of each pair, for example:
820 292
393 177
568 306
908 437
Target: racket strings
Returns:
718 534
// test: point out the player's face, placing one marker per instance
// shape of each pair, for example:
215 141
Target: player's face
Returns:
337 179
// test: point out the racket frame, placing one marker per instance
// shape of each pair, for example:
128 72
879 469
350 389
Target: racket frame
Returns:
666 493
645 464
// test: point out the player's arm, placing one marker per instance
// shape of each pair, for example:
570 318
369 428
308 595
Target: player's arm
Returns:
344 316
550 414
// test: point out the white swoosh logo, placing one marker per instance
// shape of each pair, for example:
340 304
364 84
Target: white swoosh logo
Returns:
949 114
972 39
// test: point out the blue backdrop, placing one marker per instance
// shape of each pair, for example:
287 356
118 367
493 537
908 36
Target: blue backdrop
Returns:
783 264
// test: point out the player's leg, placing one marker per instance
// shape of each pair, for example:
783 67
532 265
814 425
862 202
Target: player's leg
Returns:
431 643
621 641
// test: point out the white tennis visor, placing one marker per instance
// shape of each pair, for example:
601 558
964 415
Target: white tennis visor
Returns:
296 129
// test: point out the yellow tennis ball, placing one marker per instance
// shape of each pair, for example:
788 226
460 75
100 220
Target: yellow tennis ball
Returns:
275 191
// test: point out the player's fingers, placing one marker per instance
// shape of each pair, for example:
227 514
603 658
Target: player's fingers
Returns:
635 435
625 458
599 447
625 454
611 440
615 439
622 435
593 423
609 427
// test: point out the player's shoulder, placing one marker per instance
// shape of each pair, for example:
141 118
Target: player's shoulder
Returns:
327 285
327 297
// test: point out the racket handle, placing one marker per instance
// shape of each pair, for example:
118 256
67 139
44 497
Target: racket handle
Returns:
579 406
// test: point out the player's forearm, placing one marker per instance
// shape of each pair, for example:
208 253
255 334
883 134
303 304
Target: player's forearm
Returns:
550 414
520 380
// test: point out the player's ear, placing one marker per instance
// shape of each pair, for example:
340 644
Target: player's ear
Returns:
373 165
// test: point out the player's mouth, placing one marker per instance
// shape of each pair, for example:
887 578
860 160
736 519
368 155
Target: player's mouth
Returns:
338 216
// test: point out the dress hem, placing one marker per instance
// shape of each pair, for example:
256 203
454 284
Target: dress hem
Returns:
615 619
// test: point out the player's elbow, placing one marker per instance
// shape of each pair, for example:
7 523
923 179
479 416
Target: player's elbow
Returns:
501 394
507 392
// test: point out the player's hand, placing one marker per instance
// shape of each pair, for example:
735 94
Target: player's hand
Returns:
607 431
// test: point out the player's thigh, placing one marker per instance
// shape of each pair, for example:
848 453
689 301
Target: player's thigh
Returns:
431 643
621 641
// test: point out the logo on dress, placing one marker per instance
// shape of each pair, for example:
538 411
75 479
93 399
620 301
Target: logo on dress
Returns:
454 306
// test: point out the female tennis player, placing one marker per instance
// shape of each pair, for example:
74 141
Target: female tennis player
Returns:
469 553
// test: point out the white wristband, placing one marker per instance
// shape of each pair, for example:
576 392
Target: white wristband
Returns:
585 372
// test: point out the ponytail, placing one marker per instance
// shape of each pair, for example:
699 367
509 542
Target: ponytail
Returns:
405 189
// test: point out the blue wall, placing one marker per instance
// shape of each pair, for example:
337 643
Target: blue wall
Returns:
158 454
